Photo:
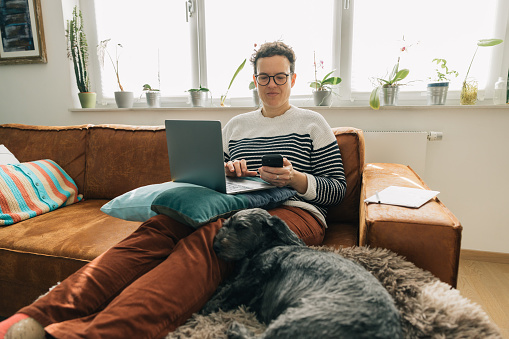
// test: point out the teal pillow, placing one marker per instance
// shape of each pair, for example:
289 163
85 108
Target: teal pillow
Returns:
196 205
135 205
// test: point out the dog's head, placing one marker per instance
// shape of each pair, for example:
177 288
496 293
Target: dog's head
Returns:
250 231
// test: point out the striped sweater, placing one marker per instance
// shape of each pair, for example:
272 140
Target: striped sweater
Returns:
305 139
34 188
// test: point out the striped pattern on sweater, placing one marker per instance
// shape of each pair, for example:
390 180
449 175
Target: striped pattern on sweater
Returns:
304 138
33 188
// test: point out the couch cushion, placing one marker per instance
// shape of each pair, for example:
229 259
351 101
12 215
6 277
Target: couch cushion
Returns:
196 206
351 143
341 235
64 145
122 158
34 188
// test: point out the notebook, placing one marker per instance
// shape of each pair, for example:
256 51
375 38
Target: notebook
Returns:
195 149
402 196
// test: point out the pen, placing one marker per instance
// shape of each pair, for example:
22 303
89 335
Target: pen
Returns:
377 196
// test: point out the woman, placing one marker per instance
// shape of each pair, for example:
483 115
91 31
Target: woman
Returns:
155 279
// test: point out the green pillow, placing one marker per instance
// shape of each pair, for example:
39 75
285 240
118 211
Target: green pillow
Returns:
196 205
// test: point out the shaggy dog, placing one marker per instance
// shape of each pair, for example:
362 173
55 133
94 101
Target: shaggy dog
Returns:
297 291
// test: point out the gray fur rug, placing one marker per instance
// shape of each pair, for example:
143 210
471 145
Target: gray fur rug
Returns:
429 308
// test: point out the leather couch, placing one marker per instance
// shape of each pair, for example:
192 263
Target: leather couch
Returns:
106 161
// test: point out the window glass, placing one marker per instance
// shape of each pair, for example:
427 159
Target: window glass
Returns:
233 29
418 32
155 39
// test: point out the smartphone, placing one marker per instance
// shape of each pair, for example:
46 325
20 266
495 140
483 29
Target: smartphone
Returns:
272 160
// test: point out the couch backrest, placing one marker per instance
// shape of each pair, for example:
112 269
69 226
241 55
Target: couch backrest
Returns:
351 144
119 158
65 145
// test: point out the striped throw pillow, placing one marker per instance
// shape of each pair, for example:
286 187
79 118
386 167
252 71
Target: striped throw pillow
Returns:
33 188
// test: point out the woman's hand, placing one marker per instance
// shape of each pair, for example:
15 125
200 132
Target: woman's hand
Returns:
238 168
284 176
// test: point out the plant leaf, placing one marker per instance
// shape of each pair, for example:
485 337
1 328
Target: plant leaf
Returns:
237 72
315 85
332 81
489 42
325 77
394 72
402 74
252 85
374 99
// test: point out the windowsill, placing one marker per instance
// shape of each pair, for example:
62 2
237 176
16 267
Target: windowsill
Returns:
112 108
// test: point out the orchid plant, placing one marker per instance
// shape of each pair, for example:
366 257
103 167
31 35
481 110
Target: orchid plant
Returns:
327 81
392 81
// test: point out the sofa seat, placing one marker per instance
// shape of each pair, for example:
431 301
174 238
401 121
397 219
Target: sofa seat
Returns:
339 235
37 252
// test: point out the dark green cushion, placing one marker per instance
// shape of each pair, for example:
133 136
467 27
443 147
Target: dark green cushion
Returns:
196 205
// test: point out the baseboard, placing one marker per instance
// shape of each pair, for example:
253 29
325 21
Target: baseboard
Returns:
495 257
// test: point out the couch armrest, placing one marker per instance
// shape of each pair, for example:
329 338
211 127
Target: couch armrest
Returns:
429 236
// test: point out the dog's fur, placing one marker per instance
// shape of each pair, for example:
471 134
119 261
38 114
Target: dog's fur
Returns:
297 291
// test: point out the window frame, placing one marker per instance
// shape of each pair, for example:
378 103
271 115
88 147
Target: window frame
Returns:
341 58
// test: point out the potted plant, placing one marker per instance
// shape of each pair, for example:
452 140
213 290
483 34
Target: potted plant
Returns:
152 95
439 85
77 51
322 94
388 87
199 96
469 89
223 97
124 99
254 90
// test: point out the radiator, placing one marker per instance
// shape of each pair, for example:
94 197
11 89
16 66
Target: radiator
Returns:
407 148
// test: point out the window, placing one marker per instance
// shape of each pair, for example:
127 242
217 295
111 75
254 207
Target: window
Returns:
425 30
361 40
155 40
305 25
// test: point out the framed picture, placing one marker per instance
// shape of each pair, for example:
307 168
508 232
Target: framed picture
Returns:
21 32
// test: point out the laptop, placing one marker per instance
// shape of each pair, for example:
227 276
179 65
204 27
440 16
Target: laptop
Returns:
195 149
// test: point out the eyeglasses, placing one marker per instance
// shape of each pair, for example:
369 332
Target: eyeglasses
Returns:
279 79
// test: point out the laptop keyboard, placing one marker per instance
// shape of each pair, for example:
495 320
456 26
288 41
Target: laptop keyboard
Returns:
231 186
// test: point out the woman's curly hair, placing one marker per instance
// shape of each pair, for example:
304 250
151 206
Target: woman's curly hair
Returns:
269 49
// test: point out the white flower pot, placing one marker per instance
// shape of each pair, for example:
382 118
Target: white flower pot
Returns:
124 99
153 98
256 98
322 98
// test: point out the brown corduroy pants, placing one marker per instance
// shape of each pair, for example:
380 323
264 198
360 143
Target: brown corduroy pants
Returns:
148 284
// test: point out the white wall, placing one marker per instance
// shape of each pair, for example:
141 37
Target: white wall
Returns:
469 166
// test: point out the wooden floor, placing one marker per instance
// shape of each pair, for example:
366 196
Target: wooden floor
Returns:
487 284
